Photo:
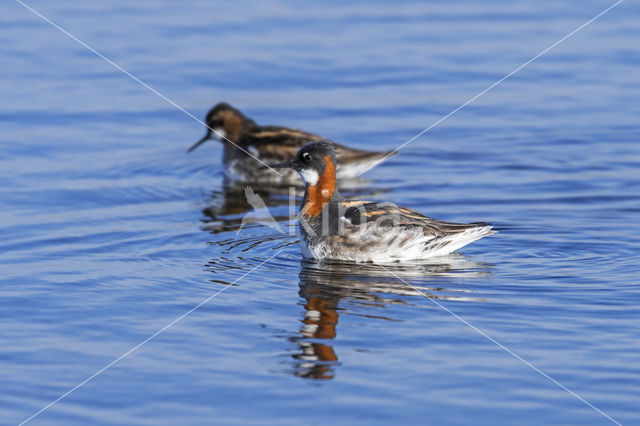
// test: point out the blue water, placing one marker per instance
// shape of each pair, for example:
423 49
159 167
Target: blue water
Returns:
110 231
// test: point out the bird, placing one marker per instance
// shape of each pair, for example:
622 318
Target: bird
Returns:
332 227
248 146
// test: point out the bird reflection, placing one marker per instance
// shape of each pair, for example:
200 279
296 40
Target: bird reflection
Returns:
232 201
323 286
320 320
236 204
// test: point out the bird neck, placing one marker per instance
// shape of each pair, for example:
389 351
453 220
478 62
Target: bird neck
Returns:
324 190
236 143
236 125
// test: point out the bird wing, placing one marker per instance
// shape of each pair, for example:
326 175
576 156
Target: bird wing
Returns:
278 143
346 155
390 215
282 143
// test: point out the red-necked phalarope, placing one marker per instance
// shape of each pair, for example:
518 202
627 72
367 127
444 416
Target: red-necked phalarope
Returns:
365 231
271 144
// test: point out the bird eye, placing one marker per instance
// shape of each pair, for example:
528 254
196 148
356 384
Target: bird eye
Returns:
306 156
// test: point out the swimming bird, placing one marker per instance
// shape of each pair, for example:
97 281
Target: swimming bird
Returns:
245 142
365 231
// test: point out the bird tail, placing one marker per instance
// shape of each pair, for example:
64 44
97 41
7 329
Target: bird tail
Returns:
453 242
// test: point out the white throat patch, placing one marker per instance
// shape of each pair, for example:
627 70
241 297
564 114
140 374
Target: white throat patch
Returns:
219 133
309 176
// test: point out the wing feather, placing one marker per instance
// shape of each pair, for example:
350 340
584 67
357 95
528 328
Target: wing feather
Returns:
390 215
282 144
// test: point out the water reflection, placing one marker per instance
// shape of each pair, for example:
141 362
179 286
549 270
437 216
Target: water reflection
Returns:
325 286
229 206
231 198
317 359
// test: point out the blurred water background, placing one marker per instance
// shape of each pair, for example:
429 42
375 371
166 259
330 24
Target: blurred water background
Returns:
110 230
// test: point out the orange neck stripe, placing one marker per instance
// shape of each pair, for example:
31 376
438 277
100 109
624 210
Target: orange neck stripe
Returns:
320 193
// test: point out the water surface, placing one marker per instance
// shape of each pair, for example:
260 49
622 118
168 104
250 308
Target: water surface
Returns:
110 231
